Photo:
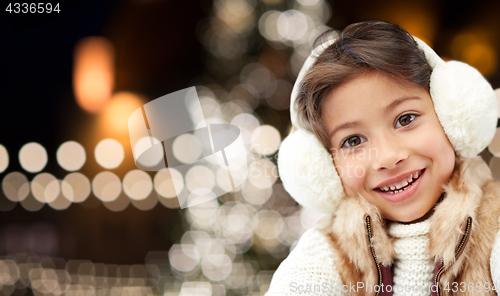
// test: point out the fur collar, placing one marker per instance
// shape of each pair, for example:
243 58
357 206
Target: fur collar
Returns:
348 230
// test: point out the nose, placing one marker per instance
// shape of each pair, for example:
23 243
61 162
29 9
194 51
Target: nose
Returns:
390 151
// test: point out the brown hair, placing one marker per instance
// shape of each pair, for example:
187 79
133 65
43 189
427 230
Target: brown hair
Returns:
360 47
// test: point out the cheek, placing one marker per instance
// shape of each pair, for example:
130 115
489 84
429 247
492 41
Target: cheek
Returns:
352 171
436 146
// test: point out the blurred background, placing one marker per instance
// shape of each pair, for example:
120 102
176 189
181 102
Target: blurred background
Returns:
78 218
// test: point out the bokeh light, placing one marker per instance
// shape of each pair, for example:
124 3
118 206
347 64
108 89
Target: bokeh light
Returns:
4 158
137 184
45 187
268 224
292 24
71 156
237 222
262 173
60 202
266 139
268 26
210 106
216 267
308 2
229 110
200 180
75 187
246 121
93 73
109 153
106 186
414 16
236 14
254 195
15 186
196 288
259 77
474 48
247 124
203 216
187 148
117 112
33 157
155 157
169 183
184 258
223 181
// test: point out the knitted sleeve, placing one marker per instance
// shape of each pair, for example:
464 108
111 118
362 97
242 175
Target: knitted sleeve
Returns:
495 262
309 269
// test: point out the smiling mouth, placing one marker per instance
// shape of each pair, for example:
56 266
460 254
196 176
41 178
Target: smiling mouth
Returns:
402 185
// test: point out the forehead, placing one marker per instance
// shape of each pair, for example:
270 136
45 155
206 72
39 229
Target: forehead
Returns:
368 93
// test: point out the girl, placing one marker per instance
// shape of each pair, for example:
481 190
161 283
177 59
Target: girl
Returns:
385 138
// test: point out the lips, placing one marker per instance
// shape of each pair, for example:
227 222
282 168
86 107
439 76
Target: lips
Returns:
389 190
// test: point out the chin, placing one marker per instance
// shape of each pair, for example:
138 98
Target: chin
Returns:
411 217
411 220
400 219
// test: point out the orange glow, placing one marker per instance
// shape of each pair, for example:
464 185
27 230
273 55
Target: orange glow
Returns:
418 25
414 17
93 73
475 50
115 115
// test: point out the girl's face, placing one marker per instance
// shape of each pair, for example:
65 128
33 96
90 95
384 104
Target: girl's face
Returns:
388 145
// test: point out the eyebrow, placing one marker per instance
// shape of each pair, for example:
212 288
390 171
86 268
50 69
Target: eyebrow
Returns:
398 102
387 109
344 126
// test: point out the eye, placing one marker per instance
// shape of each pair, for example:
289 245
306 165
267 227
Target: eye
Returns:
405 120
353 141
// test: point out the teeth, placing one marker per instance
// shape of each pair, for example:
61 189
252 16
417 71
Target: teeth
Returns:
397 188
401 185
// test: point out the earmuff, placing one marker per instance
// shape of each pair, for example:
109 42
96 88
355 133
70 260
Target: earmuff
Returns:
464 102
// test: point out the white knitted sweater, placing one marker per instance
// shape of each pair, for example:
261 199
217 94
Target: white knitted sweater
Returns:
310 268
413 269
